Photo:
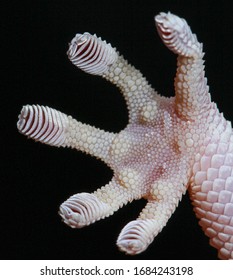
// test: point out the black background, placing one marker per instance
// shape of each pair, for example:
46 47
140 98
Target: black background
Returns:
37 178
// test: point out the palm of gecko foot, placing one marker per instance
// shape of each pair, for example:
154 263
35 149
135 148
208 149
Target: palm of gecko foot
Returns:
168 145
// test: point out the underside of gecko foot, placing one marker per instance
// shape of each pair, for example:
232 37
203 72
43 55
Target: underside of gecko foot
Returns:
136 236
82 210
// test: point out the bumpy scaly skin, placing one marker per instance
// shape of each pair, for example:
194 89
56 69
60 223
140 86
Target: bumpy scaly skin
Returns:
170 144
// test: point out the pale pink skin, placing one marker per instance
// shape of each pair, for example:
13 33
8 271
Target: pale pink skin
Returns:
170 144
